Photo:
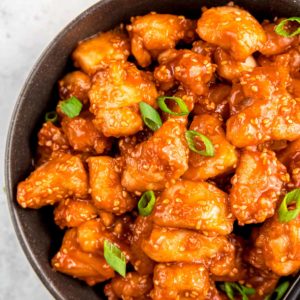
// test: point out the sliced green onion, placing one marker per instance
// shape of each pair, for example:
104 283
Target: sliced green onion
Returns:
209 147
51 116
115 257
280 291
150 116
279 29
71 107
229 288
146 203
286 215
161 101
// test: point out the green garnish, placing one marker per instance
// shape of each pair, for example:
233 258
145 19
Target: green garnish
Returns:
209 147
71 107
279 29
286 215
146 203
150 116
161 101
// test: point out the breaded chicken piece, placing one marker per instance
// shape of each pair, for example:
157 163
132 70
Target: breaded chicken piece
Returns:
153 33
232 29
55 180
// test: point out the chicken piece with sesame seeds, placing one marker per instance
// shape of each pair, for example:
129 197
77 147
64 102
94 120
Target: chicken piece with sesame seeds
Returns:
194 205
231 69
190 69
256 186
73 212
141 229
115 96
99 51
276 246
236 31
275 44
225 157
157 161
73 261
132 287
215 101
268 111
290 157
83 135
153 33
50 139
75 84
106 189
180 282
181 245
55 180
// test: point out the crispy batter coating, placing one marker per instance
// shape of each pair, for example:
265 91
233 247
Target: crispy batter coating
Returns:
160 159
225 158
115 95
192 70
75 84
180 281
256 186
153 33
71 260
133 287
57 179
270 113
290 157
194 205
233 29
99 51
276 246
73 212
181 245
83 135
105 182
231 69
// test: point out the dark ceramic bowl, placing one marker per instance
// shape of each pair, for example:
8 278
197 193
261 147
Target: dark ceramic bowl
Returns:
35 229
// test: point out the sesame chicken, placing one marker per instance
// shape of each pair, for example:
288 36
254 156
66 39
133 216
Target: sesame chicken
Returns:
115 95
99 51
153 33
256 186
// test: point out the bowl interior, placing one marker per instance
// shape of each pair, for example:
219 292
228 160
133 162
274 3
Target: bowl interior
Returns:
38 235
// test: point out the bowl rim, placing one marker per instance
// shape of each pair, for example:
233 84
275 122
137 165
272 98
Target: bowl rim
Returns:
26 248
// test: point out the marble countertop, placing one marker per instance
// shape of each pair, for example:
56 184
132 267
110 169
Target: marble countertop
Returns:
26 27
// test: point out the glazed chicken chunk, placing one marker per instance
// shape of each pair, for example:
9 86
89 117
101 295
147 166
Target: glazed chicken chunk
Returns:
256 186
115 95
194 205
269 113
162 158
99 51
55 180
235 31
153 33
225 157
180 281
105 182
73 261
276 246
192 70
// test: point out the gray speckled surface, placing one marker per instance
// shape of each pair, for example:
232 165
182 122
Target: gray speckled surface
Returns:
26 27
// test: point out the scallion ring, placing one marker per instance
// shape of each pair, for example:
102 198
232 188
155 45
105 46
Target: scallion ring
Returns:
146 203
115 257
51 116
209 147
150 116
284 214
161 101
71 107
229 287
280 291
279 29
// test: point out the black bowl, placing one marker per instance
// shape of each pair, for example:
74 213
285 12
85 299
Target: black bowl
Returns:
35 229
